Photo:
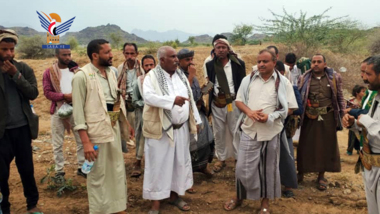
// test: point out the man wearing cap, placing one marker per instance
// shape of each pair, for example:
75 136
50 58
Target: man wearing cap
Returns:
57 88
201 145
226 72
169 116
18 124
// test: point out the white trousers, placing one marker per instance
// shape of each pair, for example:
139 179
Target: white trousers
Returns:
57 137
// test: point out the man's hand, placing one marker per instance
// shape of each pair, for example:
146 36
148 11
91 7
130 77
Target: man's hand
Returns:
347 110
68 98
180 100
348 120
254 115
89 152
9 68
191 69
263 118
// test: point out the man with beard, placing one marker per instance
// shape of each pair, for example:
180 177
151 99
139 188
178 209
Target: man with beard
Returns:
57 88
18 124
100 119
369 124
170 116
368 97
324 104
264 99
212 54
128 71
148 63
202 144
225 71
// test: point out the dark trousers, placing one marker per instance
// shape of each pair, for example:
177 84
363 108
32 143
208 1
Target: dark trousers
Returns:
17 143
353 142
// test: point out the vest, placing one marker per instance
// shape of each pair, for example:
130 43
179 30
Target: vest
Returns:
153 116
99 128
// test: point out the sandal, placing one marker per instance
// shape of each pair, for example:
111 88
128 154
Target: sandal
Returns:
136 173
322 186
219 166
288 193
180 203
232 204
264 211
208 173
191 191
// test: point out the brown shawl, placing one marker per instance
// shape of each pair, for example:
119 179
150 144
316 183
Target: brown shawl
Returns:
122 78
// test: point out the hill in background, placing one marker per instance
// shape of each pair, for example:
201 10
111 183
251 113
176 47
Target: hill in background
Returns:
103 31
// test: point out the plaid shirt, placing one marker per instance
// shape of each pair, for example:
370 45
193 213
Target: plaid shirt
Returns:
49 91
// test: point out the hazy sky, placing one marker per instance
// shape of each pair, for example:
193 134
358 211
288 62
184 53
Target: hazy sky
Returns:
192 16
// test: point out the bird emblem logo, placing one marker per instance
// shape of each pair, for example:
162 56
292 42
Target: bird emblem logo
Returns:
50 24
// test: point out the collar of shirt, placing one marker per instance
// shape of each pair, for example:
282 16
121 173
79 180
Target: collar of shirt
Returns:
257 74
98 71
228 64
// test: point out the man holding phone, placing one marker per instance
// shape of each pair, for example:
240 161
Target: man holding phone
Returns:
202 148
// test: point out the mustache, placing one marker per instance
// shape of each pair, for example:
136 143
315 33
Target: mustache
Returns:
366 81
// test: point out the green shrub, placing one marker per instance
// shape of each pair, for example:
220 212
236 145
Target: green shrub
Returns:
31 48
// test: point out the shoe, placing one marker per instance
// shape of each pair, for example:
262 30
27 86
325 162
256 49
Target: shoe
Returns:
59 178
80 173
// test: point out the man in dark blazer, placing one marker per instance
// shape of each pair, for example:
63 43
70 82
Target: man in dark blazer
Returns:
18 124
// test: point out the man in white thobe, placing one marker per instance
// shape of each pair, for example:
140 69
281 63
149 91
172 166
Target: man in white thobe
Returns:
370 125
169 116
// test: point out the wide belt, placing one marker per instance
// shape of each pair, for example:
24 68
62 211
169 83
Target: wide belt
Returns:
177 126
221 102
314 113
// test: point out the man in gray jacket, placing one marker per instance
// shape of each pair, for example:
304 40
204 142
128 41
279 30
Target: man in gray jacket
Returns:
18 124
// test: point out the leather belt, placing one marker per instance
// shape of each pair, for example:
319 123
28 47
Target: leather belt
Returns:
177 126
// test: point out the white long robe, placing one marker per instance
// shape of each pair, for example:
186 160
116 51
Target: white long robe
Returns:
372 177
168 168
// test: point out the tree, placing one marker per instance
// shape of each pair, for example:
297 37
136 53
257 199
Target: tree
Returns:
191 40
240 34
73 43
311 32
116 39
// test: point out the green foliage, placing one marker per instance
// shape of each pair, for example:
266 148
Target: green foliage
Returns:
73 43
191 40
374 46
152 47
240 34
174 45
253 42
116 39
313 32
54 184
31 48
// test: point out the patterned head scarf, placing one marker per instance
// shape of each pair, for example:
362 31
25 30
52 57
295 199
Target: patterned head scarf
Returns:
225 42
8 34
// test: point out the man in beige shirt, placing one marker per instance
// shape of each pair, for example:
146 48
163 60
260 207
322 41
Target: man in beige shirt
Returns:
264 99
100 118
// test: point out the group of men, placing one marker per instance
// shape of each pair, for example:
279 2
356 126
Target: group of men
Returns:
253 120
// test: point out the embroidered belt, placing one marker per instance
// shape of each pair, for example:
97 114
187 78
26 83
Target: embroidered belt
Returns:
314 113
221 102
114 115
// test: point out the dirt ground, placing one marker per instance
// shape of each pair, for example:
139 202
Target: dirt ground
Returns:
345 193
